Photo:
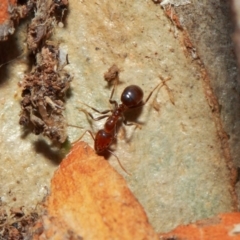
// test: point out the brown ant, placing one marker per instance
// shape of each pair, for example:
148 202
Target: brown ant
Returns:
131 98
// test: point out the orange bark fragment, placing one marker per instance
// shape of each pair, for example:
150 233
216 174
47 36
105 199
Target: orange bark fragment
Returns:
224 226
170 12
5 7
91 200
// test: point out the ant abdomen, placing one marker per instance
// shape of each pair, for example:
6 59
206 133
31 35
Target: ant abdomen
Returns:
102 140
132 96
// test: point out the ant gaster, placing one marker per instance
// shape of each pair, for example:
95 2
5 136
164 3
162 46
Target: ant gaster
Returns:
131 98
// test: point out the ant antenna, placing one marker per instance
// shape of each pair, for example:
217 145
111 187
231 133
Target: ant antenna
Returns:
170 94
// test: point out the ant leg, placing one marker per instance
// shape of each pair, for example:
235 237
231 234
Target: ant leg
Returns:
94 109
131 124
119 162
110 99
72 125
115 84
83 135
92 117
114 103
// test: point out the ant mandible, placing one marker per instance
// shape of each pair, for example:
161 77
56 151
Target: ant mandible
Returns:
131 98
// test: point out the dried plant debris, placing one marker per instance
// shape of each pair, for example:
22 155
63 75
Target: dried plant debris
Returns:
45 87
175 3
6 22
44 90
112 74
16 224
10 13
47 14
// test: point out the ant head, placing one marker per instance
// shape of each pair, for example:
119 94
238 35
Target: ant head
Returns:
132 96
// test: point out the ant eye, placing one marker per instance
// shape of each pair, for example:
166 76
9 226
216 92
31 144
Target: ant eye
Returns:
132 96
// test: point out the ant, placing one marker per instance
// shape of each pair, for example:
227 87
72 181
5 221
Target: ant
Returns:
131 98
